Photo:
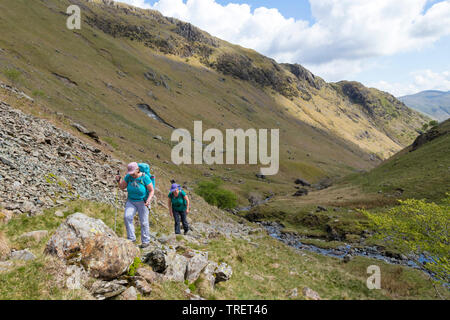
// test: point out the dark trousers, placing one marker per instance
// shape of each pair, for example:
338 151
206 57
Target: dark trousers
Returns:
180 215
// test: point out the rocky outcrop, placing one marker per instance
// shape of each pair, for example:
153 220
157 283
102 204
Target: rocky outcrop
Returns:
302 182
91 249
242 67
303 74
180 264
83 130
92 244
430 135
194 34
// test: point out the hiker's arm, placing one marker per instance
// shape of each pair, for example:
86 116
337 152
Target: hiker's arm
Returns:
122 184
152 192
187 203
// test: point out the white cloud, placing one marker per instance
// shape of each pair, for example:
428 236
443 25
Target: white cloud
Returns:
345 34
421 80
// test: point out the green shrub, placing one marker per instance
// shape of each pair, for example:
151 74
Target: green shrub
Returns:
433 123
419 227
192 287
215 195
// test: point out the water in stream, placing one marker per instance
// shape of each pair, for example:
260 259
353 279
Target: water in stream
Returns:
275 231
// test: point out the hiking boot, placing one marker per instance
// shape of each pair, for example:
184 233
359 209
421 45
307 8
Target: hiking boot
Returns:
186 231
144 245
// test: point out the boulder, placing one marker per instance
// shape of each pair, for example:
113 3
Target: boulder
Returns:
310 294
223 272
293 293
24 255
59 213
195 265
129 294
147 274
207 280
142 286
88 241
28 207
77 277
157 260
6 266
176 267
37 235
108 289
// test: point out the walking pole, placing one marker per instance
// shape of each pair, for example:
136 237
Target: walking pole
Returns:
117 196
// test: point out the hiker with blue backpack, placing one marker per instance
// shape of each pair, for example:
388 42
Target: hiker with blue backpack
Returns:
140 187
179 207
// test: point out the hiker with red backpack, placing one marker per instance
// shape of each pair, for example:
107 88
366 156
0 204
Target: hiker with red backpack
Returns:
178 204
139 185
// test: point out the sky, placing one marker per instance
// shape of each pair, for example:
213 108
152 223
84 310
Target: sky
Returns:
399 46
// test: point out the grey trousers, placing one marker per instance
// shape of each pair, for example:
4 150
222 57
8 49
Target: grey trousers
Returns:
130 212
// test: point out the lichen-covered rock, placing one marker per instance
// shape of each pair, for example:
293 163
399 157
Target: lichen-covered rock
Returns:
176 267
94 245
195 265
207 279
223 272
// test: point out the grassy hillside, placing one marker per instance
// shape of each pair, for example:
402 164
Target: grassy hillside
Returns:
126 63
421 171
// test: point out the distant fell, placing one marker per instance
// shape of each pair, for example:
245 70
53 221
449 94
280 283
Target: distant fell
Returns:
433 103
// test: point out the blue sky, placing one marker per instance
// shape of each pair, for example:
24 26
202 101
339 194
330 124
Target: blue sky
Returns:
399 46
299 9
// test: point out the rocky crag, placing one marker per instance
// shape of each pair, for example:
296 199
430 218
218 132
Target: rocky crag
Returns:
42 165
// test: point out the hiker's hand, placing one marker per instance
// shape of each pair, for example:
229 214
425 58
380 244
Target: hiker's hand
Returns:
147 203
187 210
118 178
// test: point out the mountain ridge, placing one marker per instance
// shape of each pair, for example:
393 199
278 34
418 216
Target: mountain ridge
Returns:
434 103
